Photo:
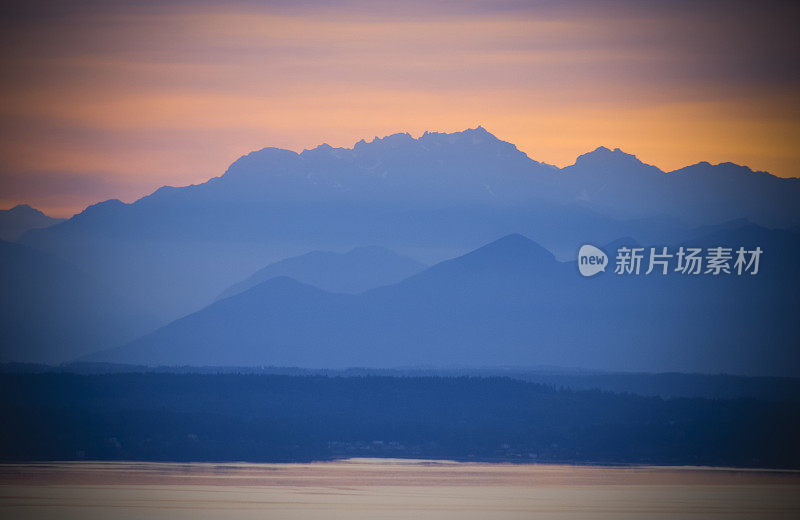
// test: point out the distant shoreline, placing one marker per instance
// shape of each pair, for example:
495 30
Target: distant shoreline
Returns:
7 467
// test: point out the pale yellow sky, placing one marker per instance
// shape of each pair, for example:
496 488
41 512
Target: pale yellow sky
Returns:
99 102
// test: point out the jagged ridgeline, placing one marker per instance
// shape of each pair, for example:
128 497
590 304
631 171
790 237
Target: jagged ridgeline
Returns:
425 200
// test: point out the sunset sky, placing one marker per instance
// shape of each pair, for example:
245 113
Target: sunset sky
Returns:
113 99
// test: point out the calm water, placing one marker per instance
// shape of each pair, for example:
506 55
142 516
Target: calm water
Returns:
378 489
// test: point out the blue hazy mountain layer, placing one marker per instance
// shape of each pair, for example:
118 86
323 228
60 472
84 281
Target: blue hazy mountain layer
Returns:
431 198
51 311
19 219
509 303
355 271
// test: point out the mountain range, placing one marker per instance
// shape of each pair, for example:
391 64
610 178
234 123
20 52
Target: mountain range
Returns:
430 198
266 265
509 303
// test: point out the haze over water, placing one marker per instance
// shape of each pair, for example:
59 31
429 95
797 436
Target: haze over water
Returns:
386 488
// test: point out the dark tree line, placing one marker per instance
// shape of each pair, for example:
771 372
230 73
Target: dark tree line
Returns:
225 417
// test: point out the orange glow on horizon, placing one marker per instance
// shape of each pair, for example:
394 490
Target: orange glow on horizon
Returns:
118 102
